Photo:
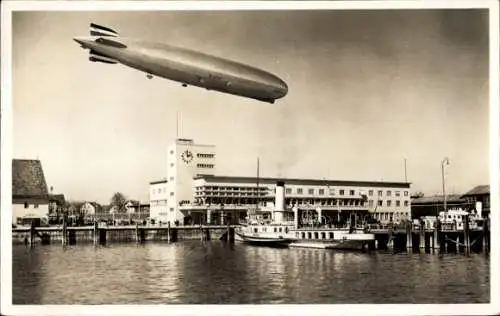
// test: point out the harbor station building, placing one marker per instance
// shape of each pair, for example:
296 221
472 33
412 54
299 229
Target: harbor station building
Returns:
193 193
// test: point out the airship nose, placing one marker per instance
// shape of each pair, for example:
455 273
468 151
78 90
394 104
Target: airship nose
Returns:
280 87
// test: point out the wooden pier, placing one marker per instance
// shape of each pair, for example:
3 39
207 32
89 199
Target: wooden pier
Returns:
400 239
439 239
101 235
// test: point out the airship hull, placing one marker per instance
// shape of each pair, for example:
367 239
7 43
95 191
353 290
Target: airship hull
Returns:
187 67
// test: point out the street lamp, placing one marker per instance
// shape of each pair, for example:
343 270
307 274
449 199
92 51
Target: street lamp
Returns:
447 162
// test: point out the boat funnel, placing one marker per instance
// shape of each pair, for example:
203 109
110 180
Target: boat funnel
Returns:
279 204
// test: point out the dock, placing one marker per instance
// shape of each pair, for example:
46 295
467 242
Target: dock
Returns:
442 239
102 235
412 238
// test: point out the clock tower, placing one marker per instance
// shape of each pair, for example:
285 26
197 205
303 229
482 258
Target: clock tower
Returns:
185 161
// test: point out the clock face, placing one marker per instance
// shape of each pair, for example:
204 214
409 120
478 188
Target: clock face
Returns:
187 156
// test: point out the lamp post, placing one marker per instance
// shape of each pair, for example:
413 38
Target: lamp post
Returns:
447 162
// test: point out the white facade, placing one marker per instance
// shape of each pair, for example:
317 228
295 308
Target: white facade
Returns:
158 200
88 209
30 210
389 204
186 160
385 201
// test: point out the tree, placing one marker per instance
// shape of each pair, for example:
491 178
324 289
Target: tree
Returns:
417 195
118 201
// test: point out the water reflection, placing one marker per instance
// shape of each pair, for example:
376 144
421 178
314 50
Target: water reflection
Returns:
217 273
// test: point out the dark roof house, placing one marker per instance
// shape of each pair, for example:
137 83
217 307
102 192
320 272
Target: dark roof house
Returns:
438 199
432 205
478 190
28 181
480 193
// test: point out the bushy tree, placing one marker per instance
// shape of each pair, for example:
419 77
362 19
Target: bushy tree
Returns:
118 201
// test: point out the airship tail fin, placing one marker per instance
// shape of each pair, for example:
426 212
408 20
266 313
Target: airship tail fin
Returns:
99 30
98 57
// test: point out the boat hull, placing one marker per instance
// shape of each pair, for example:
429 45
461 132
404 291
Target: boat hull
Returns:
263 240
339 245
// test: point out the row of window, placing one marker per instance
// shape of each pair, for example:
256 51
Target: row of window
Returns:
311 191
26 205
229 193
391 216
388 203
388 193
204 165
159 190
205 155
158 202
221 188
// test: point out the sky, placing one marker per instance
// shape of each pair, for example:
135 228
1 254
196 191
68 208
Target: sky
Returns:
367 90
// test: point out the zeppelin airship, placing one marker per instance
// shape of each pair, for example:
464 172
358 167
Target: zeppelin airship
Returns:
182 65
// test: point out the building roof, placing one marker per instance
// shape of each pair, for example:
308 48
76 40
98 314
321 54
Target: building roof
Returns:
479 190
158 181
229 179
451 198
28 180
58 198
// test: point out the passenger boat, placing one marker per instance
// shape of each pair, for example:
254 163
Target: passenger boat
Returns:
264 235
320 237
280 231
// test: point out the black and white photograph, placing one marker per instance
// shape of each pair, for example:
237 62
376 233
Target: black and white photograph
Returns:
266 157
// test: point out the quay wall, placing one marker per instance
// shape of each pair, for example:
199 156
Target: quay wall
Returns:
397 240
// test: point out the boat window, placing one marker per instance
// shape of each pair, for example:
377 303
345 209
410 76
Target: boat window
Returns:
323 235
255 230
281 229
274 229
316 235
303 235
309 235
264 229
331 235
297 234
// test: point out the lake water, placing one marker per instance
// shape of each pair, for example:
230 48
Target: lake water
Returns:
219 273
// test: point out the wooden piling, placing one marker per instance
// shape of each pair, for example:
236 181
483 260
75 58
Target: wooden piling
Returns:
137 237
173 232
486 238
422 234
32 234
96 234
64 231
71 237
466 235
409 236
168 232
435 239
102 236
207 233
